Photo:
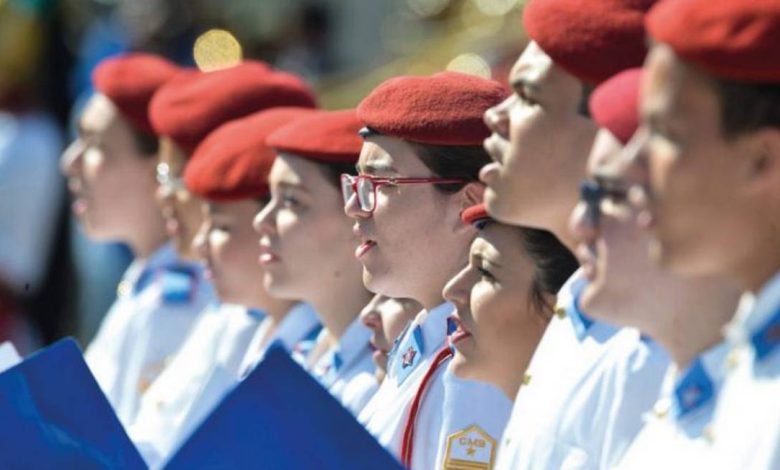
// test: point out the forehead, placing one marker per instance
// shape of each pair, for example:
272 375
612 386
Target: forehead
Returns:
98 114
533 65
293 170
389 155
672 90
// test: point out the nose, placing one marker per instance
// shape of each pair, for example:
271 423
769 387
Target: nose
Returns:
458 289
263 222
352 208
200 243
497 118
581 225
70 161
636 155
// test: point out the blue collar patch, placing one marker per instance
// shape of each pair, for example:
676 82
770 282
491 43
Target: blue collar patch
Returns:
694 390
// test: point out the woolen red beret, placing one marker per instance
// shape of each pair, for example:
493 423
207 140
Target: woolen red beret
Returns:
474 214
443 109
130 81
326 136
614 105
233 162
590 39
736 40
192 105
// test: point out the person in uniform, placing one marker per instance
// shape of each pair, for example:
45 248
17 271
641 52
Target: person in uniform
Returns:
504 299
386 317
228 170
710 140
564 417
418 171
108 168
682 316
304 215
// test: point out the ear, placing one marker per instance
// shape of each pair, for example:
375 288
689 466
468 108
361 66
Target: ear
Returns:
763 153
472 195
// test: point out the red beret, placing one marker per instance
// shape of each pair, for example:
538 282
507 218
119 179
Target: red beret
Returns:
192 105
233 162
614 105
475 214
444 109
130 81
327 136
590 39
735 40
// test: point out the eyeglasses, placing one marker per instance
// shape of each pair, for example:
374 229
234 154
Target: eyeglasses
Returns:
166 180
593 192
365 187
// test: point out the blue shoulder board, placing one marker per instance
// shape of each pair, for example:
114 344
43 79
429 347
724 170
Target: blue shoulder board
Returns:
54 415
179 284
280 417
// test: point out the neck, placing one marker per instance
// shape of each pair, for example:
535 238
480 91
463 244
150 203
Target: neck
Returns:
337 312
276 309
690 323
147 241
760 269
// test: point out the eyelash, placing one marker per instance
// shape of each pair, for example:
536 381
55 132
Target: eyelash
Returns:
486 274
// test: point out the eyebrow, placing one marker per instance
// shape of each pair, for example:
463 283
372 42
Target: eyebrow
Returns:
290 185
375 167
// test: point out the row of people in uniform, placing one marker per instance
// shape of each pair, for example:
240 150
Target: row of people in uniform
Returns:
270 221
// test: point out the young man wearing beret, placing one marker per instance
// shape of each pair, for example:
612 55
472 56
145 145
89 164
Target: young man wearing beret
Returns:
110 171
710 141
588 382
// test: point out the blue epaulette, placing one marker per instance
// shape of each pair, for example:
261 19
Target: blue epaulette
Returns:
179 284
767 338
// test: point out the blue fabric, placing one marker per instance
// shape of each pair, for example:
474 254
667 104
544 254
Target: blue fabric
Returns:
694 389
280 417
54 415
178 284
409 354
767 338
579 319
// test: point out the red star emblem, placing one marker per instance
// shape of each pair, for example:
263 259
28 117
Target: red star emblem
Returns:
408 357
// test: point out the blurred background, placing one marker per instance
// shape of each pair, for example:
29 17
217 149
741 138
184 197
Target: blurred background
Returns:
53 281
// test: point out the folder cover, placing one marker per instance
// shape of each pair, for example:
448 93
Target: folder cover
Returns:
281 417
54 415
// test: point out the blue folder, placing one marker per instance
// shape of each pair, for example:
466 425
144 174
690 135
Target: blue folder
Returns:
279 417
53 415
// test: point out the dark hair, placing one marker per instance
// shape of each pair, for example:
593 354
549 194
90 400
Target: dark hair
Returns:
553 264
146 143
747 107
583 106
451 161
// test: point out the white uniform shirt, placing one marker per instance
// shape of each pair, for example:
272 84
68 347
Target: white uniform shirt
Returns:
159 301
8 356
297 332
345 369
586 389
678 432
746 427
474 417
385 414
220 338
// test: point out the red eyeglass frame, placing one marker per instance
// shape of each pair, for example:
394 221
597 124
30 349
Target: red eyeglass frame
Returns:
377 181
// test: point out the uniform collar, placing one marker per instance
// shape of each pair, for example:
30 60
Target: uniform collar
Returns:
568 304
296 325
419 340
757 321
698 385
352 343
